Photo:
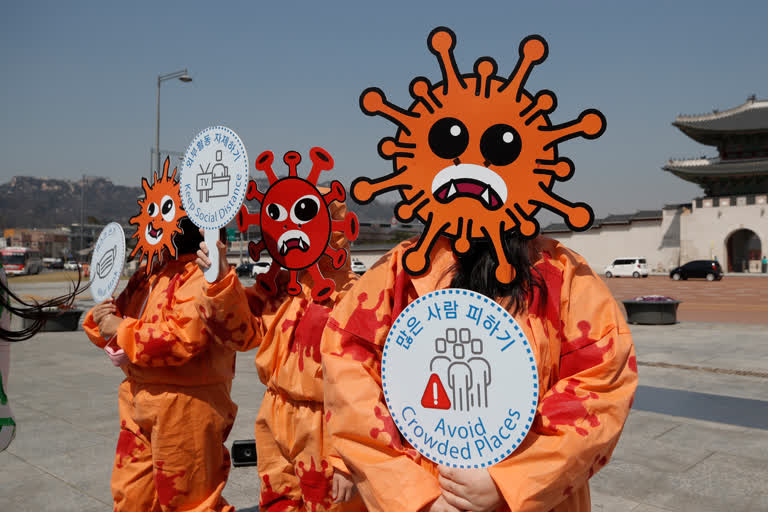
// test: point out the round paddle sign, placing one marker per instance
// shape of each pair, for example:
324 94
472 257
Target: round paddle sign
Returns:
460 379
214 178
107 262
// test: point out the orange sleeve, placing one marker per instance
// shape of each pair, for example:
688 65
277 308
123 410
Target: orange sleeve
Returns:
387 472
579 419
91 329
233 313
175 334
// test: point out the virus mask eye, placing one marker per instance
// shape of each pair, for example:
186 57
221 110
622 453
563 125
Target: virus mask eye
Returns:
305 209
168 209
448 138
476 155
158 220
296 223
277 212
500 145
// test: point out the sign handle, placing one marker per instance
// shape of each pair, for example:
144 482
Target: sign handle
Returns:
211 236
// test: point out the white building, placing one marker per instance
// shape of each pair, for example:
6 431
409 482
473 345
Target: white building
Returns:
729 223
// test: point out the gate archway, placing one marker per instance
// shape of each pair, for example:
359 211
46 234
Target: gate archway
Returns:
743 245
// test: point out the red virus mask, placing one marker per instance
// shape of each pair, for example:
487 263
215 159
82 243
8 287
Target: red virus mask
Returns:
296 223
476 155
158 220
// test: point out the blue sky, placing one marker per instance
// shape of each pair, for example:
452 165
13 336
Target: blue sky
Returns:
78 86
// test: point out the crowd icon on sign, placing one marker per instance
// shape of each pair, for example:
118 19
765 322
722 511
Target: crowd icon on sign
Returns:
459 364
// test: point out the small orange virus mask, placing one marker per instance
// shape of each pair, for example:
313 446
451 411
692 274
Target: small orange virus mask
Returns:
158 220
475 155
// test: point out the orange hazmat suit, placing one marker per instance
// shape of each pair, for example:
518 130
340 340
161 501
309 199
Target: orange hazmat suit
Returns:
175 406
587 375
291 441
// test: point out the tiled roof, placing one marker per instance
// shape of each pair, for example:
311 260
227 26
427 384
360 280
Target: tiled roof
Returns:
750 116
716 166
615 219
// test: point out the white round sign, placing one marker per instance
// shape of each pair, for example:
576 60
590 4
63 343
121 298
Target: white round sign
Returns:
460 378
107 262
214 177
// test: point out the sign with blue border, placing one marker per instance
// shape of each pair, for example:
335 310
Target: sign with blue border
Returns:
214 177
107 262
460 378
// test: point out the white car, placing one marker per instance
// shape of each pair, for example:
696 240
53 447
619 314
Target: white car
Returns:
358 267
627 267
71 265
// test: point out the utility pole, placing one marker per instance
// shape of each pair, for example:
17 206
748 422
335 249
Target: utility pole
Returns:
82 217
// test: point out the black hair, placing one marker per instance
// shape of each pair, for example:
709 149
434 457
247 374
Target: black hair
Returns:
476 271
188 241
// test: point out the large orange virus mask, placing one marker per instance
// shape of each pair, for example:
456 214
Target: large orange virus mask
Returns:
158 219
475 155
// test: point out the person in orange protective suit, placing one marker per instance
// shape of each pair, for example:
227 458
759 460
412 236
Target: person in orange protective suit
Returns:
587 375
174 404
291 440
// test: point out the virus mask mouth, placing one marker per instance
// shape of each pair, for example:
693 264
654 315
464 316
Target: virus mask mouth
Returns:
293 240
469 180
152 235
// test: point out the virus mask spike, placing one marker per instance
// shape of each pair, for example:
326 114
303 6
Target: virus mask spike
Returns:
533 50
485 68
476 155
264 164
421 90
321 161
441 42
590 125
292 159
373 102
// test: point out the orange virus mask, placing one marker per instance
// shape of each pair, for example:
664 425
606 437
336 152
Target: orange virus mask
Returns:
476 155
158 219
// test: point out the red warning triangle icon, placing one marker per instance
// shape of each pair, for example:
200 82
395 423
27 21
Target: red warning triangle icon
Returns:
435 396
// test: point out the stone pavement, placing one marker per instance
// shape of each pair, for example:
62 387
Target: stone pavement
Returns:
697 438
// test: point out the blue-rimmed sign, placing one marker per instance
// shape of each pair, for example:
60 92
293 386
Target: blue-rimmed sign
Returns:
107 262
214 178
460 379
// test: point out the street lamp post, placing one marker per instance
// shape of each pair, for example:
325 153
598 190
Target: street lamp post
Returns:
182 75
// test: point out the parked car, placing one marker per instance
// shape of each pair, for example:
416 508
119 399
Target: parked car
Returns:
634 267
358 267
244 270
704 269
72 265
260 267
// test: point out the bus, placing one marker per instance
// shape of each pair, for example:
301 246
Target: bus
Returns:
21 260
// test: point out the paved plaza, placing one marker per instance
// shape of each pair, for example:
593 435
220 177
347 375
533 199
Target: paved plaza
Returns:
697 438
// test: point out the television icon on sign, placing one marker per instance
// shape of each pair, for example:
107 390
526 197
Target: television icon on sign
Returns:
213 183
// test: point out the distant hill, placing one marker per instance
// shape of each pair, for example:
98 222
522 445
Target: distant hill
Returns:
28 202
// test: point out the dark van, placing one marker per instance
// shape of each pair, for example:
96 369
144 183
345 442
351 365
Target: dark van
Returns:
704 269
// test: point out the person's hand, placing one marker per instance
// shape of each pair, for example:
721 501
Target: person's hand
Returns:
440 505
116 355
343 487
204 262
469 489
100 311
108 325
